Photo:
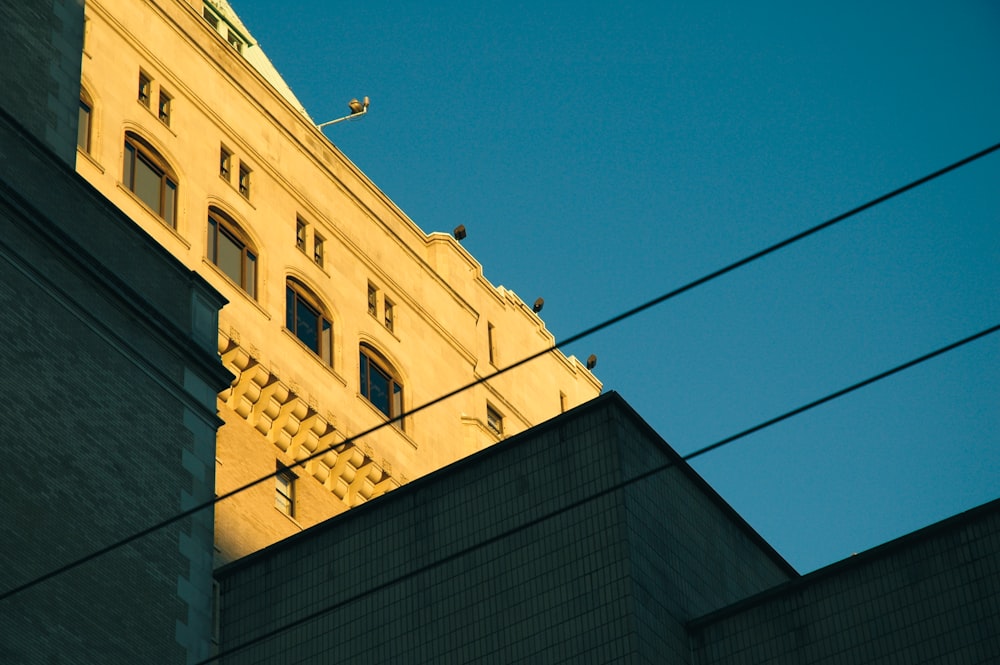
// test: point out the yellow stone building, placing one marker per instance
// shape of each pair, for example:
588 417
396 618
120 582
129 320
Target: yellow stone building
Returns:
343 314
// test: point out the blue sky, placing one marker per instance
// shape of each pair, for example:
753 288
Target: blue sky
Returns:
600 156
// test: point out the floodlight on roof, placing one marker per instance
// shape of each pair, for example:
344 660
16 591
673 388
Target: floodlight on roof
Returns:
358 109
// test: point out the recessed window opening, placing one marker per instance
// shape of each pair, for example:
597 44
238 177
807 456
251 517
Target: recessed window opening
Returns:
225 164
372 300
163 108
304 316
145 89
494 420
389 314
379 384
284 491
244 183
300 234
146 174
318 249
231 251
83 126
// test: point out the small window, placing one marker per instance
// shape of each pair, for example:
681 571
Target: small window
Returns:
147 175
244 180
210 16
163 108
284 491
225 164
494 420
491 343
389 314
372 300
318 249
235 41
83 128
300 234
145 89
304 316
562 402
231 251
380 386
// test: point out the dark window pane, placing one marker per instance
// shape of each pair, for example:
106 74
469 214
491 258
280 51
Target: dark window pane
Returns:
169 202
251 279
326 343
290 308
147 183
83 129
213 230
364 375
378 389
129 167
231 256
307 325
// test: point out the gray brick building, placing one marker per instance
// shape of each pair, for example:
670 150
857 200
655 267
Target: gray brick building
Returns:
110 377
588 540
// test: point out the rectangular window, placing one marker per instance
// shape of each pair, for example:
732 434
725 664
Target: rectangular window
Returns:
300 234
318 249
225 164
163 107
562 402
235 41
284 491
494 420
389 313
145 89
83 128
491 343
372 300
244 180
210 16
147 181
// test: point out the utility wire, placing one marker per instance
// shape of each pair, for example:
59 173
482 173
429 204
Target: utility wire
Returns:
597 495
585 333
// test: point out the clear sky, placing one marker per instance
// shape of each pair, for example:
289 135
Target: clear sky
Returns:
601 154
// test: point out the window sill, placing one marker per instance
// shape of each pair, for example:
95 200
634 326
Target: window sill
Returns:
289 518
156 116
153 214
319 361
236 287
80 152
384 425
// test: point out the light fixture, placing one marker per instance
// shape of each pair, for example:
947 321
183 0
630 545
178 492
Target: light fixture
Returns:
459 232
591 361
358 109
537 307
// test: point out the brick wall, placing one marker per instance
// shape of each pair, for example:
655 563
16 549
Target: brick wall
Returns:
109 390
930 597
522 553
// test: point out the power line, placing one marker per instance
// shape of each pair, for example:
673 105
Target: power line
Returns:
573 338
609 490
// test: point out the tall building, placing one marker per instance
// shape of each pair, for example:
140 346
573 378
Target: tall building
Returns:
343 314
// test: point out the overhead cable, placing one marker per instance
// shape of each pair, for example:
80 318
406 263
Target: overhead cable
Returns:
573 338
592 497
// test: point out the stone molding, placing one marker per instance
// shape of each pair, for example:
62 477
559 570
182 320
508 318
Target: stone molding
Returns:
271 406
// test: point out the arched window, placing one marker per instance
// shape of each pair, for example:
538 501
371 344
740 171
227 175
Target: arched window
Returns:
305 317
150 178
379 384
83 128
230 249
